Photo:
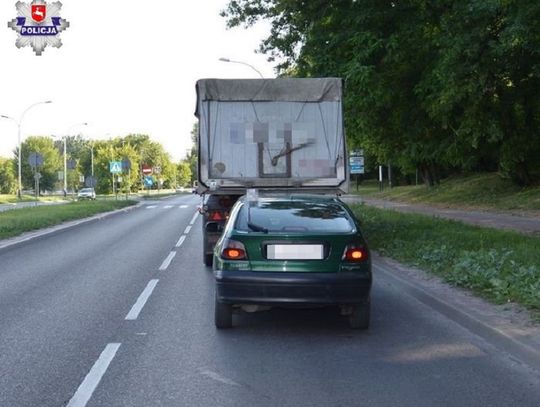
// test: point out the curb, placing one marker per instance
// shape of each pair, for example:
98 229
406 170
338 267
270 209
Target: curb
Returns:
525 349
27 236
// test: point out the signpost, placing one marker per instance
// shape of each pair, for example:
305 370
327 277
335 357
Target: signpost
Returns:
146 169
356 164
35 160
90 182
115 167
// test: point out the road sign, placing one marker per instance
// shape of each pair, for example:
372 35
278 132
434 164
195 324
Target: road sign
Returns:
126 164
157 169
356 165
115 167
148 181
90 182
146 169
35 160
70 164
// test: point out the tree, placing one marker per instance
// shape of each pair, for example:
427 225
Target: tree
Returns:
192 156
184 174
434 85
8 179
52 162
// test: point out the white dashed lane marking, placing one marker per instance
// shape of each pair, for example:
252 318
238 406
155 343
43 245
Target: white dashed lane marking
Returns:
92 379
194 218
138 306
151 206
183 206
180 241
188 228
167 261
168 206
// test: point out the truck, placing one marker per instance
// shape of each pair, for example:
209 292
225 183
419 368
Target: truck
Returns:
277 135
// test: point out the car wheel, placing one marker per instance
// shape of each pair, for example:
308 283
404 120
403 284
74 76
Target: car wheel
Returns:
360 316
222 315
208 259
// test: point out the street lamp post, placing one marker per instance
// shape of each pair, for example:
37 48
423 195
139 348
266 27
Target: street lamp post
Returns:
243 63
19 124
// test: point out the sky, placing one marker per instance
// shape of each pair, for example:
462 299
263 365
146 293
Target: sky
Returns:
123 67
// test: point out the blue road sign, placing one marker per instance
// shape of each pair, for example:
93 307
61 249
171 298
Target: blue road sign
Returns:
115 167
148 181
35 160
356 165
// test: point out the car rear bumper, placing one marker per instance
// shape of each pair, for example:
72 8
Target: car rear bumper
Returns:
241 287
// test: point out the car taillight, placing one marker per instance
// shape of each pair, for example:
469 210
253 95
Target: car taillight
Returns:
233 250
355 253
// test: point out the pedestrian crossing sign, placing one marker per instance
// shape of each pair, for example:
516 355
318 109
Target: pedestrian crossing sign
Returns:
115 167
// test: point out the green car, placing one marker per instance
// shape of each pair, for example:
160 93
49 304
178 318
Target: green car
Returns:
291 250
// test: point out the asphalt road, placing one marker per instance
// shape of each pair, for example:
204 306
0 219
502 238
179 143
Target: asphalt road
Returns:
119 312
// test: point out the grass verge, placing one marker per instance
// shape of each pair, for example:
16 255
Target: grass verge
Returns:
501 266
483 191
17 221
10 198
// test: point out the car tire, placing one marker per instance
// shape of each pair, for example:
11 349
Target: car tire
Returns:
360 316
208 259
222 315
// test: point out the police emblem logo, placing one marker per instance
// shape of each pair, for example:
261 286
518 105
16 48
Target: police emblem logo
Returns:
38 25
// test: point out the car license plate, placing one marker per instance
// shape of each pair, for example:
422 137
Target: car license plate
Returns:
295 252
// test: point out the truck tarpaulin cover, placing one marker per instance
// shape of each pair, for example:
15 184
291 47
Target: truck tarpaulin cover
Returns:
261 90
282 132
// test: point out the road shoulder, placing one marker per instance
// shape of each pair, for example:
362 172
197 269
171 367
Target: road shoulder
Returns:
509 327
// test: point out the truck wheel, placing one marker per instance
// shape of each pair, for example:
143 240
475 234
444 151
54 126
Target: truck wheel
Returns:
222 315
360 316
208 259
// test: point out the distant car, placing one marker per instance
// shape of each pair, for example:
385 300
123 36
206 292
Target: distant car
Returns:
86 193
292 250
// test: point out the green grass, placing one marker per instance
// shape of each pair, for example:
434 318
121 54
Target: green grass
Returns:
482 191
17 221
499 265
12 198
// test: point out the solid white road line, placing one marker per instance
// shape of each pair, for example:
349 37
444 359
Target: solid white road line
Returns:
92 379
138 306
167 261
188 228
194 218
181 240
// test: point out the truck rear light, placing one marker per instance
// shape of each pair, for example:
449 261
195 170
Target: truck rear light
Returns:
233 250
355 253
216 215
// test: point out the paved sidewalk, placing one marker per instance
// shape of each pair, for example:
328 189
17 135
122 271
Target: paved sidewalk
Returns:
528 225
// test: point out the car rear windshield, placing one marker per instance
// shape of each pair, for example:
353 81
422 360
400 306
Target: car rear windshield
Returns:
294 216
